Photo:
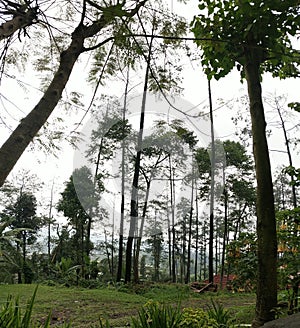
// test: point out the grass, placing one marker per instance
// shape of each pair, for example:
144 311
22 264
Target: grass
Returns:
83 307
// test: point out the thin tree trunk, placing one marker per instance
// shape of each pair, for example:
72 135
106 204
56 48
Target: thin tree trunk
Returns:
266 293
197 236
112 243
139 238
225 193
183 248
135 182
188 268
49 223
107 253
212 194
172 192
287 143
121 234
169 239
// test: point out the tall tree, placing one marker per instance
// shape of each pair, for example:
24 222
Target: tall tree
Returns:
137 162
254 36
75 202
276 104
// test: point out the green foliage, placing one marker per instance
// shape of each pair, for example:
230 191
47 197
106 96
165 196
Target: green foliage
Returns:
289 254
130 51
295 106
241 254
70 204
156 315
153 315
196 318
293 172
236 155
22 215
84 306
230 29
221 315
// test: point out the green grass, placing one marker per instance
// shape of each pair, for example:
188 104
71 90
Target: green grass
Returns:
83 307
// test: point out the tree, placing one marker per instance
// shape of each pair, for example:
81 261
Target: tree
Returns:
21 215
256 38
288 254
20 16
102 18
276 104
78 203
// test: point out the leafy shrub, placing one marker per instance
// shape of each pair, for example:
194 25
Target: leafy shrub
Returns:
196 318
218 313
155 315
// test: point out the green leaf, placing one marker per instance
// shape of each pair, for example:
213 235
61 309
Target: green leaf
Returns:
295 106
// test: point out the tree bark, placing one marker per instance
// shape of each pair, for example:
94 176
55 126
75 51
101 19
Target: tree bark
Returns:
212 194
139 238
188 268
20 20
18 141
121 233
197 234
21 137
266 293
135 181
225 233
172 201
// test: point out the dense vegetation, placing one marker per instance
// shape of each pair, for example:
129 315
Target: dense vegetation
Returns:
150 199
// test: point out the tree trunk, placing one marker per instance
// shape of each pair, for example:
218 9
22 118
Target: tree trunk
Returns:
139 239
31 124
224 235
21 137
188 268
266 294
197 235
49 224
172 194
287 144
121 234
135 182
212 194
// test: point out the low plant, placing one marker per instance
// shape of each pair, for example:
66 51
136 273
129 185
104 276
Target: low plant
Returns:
196 318
222 316
154 315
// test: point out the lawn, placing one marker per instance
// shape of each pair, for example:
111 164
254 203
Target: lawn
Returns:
83 307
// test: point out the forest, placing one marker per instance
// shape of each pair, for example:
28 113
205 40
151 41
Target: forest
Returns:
139 184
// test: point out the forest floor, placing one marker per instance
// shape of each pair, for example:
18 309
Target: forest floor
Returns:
83 307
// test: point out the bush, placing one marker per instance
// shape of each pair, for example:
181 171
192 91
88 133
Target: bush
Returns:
218 313
196 318
155 315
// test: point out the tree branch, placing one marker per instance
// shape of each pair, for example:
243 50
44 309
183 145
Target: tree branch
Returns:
19 21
